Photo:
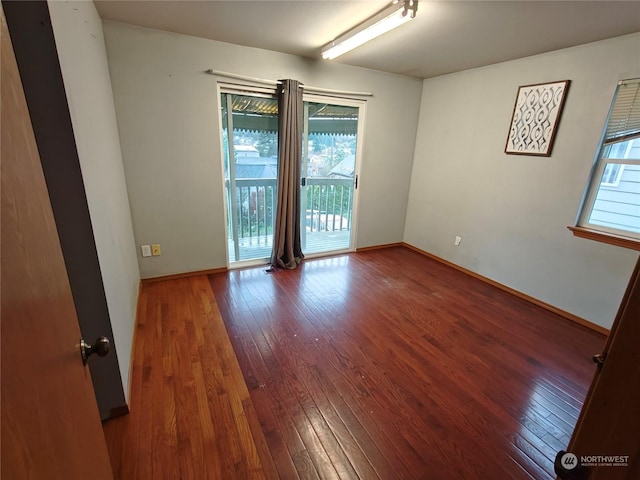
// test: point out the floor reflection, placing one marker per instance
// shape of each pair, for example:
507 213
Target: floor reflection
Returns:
547 420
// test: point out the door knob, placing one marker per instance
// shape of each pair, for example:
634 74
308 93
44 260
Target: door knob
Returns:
599 359
100 346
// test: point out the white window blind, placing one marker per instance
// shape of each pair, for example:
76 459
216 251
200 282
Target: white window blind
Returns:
624 119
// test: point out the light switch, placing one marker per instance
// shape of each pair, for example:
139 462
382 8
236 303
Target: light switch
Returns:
146 250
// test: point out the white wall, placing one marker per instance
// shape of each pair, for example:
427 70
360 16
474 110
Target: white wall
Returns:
167 111
83 61
512 211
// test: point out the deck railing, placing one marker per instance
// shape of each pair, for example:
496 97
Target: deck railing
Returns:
326 201
255 206
328 204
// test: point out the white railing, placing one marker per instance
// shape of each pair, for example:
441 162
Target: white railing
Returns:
327 203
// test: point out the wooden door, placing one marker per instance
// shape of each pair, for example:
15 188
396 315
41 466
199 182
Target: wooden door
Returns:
50 422
609 424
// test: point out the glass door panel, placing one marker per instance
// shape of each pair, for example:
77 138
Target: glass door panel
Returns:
250 170
329 176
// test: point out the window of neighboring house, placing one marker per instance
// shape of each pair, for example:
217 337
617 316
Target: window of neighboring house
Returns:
611 175
612 204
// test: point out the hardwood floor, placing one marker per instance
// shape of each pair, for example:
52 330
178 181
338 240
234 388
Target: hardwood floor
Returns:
383 364
387 364
191 415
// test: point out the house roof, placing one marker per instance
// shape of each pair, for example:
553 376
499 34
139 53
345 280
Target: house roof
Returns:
256 170
345 168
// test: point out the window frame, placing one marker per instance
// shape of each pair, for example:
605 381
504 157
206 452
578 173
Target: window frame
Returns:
593 231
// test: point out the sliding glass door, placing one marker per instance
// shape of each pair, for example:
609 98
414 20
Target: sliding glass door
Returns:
329 161
328 173
250 150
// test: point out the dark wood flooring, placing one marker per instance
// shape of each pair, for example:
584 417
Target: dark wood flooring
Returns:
387 364
384 364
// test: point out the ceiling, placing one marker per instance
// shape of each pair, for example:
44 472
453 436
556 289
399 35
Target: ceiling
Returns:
446 35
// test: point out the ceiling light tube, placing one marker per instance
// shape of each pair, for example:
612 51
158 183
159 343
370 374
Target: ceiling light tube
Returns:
396 14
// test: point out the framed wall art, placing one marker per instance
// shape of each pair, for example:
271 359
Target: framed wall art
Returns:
535 118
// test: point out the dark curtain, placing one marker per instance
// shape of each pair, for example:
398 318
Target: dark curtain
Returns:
287 250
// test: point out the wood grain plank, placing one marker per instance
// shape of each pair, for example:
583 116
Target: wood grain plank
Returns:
191 415
414 369
382 364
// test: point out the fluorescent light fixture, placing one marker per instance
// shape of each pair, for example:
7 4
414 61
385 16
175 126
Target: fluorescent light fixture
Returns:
396 14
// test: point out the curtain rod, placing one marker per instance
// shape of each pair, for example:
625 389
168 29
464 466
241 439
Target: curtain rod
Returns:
308 88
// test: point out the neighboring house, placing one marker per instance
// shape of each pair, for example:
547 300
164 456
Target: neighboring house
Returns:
254 166
618 202
345 168
245 151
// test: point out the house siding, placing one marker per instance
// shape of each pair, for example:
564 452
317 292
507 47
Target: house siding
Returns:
619 206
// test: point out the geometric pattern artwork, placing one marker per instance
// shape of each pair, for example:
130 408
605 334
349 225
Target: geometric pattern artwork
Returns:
535 118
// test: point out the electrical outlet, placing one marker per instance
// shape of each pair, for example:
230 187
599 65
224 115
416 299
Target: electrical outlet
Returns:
155 250
146 250
457 241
